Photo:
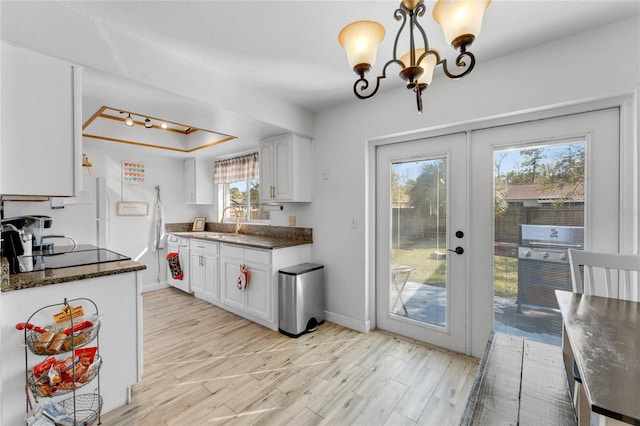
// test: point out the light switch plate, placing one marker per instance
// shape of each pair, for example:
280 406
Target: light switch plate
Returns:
292 221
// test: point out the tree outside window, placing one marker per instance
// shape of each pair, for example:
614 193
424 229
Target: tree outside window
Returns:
244 197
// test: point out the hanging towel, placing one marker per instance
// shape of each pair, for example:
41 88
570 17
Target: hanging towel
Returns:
158 219
174 265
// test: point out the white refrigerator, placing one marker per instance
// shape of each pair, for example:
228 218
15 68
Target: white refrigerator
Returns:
85 217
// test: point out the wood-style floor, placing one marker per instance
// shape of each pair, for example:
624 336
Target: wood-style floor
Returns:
203 365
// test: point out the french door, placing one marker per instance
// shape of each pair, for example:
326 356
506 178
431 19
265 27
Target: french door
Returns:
421 225
598 132
436 197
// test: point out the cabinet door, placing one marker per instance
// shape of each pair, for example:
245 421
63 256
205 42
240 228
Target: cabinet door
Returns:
258 293
41 125
266 171
283 168
197 272
190 181
211 280
232 296
198 181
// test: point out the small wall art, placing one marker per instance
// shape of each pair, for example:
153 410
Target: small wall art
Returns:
133 180
198 223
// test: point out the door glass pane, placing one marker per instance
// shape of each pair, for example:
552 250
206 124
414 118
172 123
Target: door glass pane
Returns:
539 214
418 289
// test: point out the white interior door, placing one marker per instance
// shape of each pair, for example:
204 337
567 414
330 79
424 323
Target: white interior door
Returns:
421 217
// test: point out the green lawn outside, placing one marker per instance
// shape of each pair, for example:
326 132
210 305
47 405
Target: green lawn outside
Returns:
418 254
505 277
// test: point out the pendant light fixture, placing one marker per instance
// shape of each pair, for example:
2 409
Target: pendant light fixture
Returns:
128 121
461 21
147 123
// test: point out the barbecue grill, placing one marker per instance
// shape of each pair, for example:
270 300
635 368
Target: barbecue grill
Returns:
543 262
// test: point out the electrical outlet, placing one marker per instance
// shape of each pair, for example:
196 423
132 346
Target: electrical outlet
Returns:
325 174
292 221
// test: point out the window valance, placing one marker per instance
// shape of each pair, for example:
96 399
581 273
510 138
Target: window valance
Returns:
237 168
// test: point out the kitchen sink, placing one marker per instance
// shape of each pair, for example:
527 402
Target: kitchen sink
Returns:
211 235
215 235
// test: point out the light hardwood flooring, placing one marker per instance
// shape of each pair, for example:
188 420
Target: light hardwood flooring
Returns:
204 365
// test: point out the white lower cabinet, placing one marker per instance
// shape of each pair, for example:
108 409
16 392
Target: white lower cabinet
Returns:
204 270
257 302
256 299
217 267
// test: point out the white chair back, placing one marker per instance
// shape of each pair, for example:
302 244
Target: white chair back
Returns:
605 274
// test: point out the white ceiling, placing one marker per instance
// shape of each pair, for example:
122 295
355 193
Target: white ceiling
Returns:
289 49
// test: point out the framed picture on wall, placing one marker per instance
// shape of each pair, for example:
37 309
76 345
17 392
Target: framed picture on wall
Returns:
132 208
198 223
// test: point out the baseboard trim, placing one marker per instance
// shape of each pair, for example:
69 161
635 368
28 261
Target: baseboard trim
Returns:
153 286
361 326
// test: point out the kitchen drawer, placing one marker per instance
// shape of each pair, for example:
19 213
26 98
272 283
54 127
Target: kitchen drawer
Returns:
248 255
258 256
208 246
232 251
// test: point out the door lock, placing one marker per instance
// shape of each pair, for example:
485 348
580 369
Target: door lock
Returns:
457 250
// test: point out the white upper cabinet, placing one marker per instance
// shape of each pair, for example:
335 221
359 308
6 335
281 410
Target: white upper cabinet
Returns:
41 150
285 169
198 181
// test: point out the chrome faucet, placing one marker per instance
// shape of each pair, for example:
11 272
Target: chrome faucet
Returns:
237 216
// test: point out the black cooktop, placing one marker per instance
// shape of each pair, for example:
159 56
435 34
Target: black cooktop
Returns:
76 258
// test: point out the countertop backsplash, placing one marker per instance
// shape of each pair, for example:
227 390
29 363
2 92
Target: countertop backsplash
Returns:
289 232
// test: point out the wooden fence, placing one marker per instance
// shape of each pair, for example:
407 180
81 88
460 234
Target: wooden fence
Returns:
411 223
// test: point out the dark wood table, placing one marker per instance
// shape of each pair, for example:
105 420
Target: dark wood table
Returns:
603 335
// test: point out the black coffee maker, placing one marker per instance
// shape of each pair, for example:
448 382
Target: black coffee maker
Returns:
20 236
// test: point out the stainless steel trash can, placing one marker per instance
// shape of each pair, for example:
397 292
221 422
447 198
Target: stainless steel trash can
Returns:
301 299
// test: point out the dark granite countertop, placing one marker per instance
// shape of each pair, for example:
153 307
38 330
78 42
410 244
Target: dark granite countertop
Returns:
254 241
26 280
255 236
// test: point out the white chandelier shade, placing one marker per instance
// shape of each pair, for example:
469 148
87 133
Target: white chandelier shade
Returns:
461 21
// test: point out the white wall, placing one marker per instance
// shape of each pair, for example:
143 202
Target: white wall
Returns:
133 235
585 66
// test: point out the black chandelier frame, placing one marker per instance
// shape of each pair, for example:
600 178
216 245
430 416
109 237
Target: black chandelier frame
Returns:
413 71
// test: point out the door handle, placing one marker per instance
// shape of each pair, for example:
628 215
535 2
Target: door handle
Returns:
457 250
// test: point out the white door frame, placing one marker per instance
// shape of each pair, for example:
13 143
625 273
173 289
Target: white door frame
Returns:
629 105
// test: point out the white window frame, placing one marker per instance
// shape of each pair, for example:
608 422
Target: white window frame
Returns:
224 198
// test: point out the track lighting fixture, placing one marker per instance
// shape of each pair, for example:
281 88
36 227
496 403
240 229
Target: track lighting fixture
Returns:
129 121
